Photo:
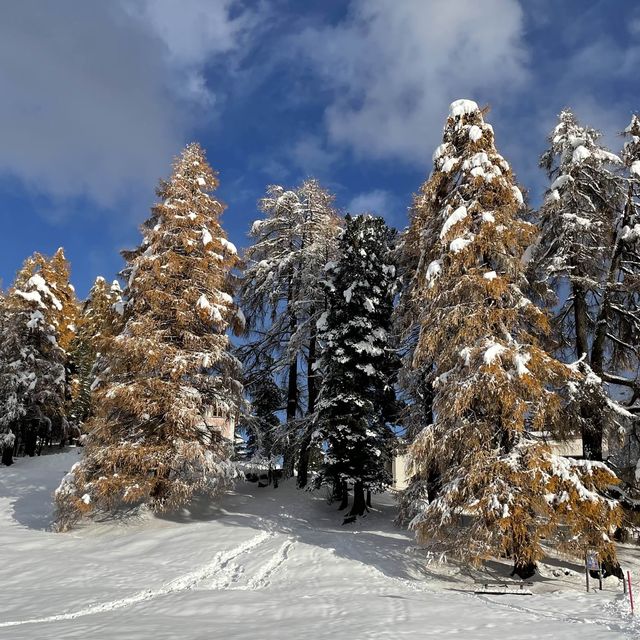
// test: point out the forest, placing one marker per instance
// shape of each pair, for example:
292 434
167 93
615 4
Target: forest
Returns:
477 341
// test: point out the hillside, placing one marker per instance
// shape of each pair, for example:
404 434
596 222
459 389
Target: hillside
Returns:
264 563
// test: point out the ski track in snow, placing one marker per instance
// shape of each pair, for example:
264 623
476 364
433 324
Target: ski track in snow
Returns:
221 565
263 577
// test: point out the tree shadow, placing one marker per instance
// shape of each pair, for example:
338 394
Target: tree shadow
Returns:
30 484
305 517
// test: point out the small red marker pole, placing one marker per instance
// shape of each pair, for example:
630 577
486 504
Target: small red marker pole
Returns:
630 591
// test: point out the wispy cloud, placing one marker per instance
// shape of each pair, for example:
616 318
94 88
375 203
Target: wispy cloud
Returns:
94 94
378 202
194 32
395 66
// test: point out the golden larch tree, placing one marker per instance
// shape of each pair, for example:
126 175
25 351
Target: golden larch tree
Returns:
496 392
170 367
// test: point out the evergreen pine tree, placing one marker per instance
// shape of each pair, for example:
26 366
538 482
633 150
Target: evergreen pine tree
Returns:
502 489
32 373
357 403
170 366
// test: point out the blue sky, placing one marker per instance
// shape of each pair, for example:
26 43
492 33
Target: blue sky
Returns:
97 98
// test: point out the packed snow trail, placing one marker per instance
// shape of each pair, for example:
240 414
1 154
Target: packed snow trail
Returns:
261 563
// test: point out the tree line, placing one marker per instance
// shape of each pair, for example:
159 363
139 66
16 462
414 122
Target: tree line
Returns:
472 340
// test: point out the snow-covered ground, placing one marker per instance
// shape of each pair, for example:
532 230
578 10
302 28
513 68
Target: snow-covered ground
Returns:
264 563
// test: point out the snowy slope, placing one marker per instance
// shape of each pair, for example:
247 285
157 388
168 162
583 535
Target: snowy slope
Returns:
262 563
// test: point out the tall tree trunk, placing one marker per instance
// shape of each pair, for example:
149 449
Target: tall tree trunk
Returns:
31 438
522 566
359 505
433 483
292 405
7 456
592 429
344 502
369 498
592 438
580 315
312 393
602 326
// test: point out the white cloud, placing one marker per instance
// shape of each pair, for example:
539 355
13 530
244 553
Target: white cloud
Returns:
93 96
311 155
395 66
193 32
378 202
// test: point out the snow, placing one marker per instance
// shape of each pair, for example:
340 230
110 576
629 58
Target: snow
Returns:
460 244
630 234
440 151
267 563
35 319
520 360
492 352
561 181
580 154
225 297
475 133
321 323
38 282
449 164
607 156
214 312
635 168
459 214
518 195
348 293
490 275
229 247
434 269
462 107
476 160
206 237
201 181
30 296
487 216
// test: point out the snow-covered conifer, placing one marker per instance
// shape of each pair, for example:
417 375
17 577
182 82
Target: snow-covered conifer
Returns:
97 324
283 297
262 424
32 373
170 366
64 317
357 403
502 490
624 307
580 260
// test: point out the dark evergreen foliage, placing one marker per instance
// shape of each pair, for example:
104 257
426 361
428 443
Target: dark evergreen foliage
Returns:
357 403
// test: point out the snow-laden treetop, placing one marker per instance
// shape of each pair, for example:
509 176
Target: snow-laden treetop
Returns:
461 107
